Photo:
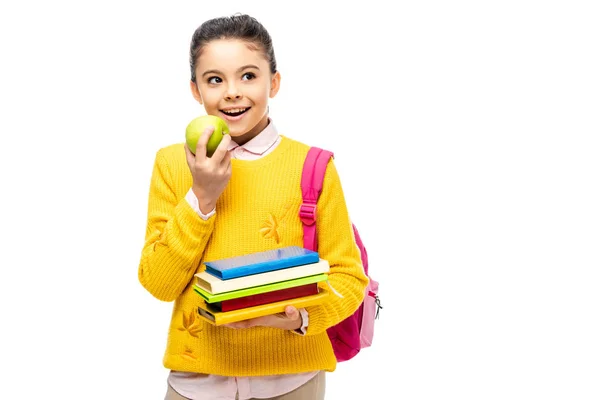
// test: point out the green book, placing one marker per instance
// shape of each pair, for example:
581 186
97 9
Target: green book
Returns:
234 294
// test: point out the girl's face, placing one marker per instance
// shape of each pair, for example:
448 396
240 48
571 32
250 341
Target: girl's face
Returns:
234 82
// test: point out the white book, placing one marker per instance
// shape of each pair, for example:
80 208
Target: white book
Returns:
214 285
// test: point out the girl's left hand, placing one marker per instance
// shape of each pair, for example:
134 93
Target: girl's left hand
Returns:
288 320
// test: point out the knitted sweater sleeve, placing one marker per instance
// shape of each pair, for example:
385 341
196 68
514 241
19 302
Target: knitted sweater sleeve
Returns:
336 245
175 235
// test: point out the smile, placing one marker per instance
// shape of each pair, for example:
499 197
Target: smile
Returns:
234 112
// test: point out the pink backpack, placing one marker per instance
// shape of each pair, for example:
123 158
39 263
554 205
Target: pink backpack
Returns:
355 332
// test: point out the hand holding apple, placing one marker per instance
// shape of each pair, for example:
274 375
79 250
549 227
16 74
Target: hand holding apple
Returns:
210 173
198 125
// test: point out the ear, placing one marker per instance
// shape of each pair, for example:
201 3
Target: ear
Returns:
195 91
275 84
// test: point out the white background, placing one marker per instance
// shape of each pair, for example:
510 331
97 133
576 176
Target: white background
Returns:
466 136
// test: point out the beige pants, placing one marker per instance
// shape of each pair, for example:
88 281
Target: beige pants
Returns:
314 389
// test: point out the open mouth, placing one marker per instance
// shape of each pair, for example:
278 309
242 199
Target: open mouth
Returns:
235 112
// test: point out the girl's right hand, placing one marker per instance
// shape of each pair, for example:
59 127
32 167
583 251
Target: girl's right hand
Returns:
210 174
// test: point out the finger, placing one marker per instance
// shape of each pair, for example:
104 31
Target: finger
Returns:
236 325
189 155
226 160
292 312
202 141
221 150
229 168
266 320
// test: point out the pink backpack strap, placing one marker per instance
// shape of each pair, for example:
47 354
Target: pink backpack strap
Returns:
311 184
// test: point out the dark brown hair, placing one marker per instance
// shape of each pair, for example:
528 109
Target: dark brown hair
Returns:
238 26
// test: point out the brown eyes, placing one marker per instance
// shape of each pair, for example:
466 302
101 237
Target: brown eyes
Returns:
213 80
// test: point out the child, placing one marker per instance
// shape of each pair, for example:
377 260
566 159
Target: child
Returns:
243 199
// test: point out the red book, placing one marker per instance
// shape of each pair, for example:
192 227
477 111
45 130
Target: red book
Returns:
268 297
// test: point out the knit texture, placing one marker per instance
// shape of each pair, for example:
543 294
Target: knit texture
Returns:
258 211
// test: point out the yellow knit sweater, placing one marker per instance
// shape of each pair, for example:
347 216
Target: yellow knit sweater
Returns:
257 211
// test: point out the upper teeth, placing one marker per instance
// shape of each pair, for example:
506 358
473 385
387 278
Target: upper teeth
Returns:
235 110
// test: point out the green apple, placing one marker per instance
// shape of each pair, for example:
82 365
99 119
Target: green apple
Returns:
198 125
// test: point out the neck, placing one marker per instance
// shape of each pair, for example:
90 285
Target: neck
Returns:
252 133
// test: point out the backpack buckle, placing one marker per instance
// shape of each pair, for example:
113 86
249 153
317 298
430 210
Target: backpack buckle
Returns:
379 306
308 213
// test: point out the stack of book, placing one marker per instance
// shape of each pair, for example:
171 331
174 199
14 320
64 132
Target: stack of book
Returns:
258 284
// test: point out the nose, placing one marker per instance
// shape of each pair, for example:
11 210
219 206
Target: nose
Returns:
232 92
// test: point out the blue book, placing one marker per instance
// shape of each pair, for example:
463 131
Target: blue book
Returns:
264 261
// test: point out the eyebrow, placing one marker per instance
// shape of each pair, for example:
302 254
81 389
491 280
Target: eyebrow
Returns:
216 71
